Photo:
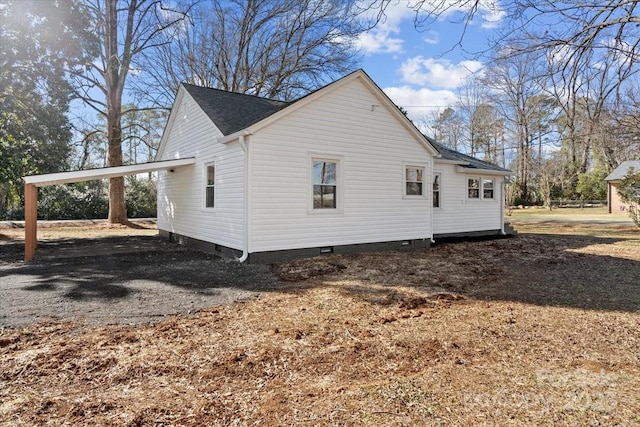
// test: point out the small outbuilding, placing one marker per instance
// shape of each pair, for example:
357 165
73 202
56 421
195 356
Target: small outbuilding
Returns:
616 205
341 169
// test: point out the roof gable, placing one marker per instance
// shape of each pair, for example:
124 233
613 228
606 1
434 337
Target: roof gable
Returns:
621 171
231 111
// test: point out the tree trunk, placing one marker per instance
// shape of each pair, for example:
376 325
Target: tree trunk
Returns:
117 206
115 84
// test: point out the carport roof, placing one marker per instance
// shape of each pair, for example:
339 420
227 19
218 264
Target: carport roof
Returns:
101 173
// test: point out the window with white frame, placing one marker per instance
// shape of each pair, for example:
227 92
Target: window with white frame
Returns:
209 186
325 184
479 188
473 188
437 178
487 188
414 180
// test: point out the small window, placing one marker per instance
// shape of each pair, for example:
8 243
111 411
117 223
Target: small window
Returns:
413 181
436 190
487 189
325 185
209 187
473 188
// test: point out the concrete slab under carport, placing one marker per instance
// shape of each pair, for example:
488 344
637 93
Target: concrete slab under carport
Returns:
32 182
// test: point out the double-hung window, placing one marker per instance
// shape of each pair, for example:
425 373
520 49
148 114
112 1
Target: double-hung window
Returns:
209 186
473 188
325 184
436 189
487 188
414 179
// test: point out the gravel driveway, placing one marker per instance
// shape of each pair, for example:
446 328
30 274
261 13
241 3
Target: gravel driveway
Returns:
134 279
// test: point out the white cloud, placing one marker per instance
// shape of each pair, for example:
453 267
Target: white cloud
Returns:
492 18
420 103
379 40
432 37
437 73
490 11
382 38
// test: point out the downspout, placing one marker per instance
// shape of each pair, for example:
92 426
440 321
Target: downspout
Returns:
430 189
502 206
245 231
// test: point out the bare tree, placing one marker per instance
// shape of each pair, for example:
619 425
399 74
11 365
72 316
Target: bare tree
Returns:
448 128
622 129
471 96
125 29
273 48
516 83
548 173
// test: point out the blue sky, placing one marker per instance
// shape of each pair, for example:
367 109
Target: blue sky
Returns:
421 69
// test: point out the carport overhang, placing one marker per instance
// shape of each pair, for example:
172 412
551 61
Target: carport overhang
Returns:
32 182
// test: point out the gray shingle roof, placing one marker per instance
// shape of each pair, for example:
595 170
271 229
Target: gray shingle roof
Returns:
473 163
622 170
231 111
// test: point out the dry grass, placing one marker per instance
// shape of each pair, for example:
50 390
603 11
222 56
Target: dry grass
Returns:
75 230
538 330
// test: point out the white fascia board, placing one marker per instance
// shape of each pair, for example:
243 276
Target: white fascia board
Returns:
170 122
109 172
482 172
235 136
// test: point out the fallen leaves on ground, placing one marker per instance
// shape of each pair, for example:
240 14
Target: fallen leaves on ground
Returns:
472 333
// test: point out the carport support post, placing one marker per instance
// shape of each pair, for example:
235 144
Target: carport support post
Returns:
30 221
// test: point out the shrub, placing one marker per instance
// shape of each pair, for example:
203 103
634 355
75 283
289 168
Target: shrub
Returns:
141 197
629 191
73 201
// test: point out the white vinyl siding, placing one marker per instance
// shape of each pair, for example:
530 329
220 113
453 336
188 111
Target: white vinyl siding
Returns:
458 213
371 145
181 194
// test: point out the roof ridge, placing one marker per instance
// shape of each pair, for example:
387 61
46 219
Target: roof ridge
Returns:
236 93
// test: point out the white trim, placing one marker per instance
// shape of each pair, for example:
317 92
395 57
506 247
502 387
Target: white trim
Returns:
440 188
170 122
493 187
467 188
338 160
413 165
101 173
481 179
205 185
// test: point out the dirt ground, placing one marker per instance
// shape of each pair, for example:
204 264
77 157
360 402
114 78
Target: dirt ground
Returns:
102 274
542 329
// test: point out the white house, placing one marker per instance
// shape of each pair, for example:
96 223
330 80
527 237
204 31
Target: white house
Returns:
339 170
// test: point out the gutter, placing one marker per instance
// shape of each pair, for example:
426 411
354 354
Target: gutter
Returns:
244 143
